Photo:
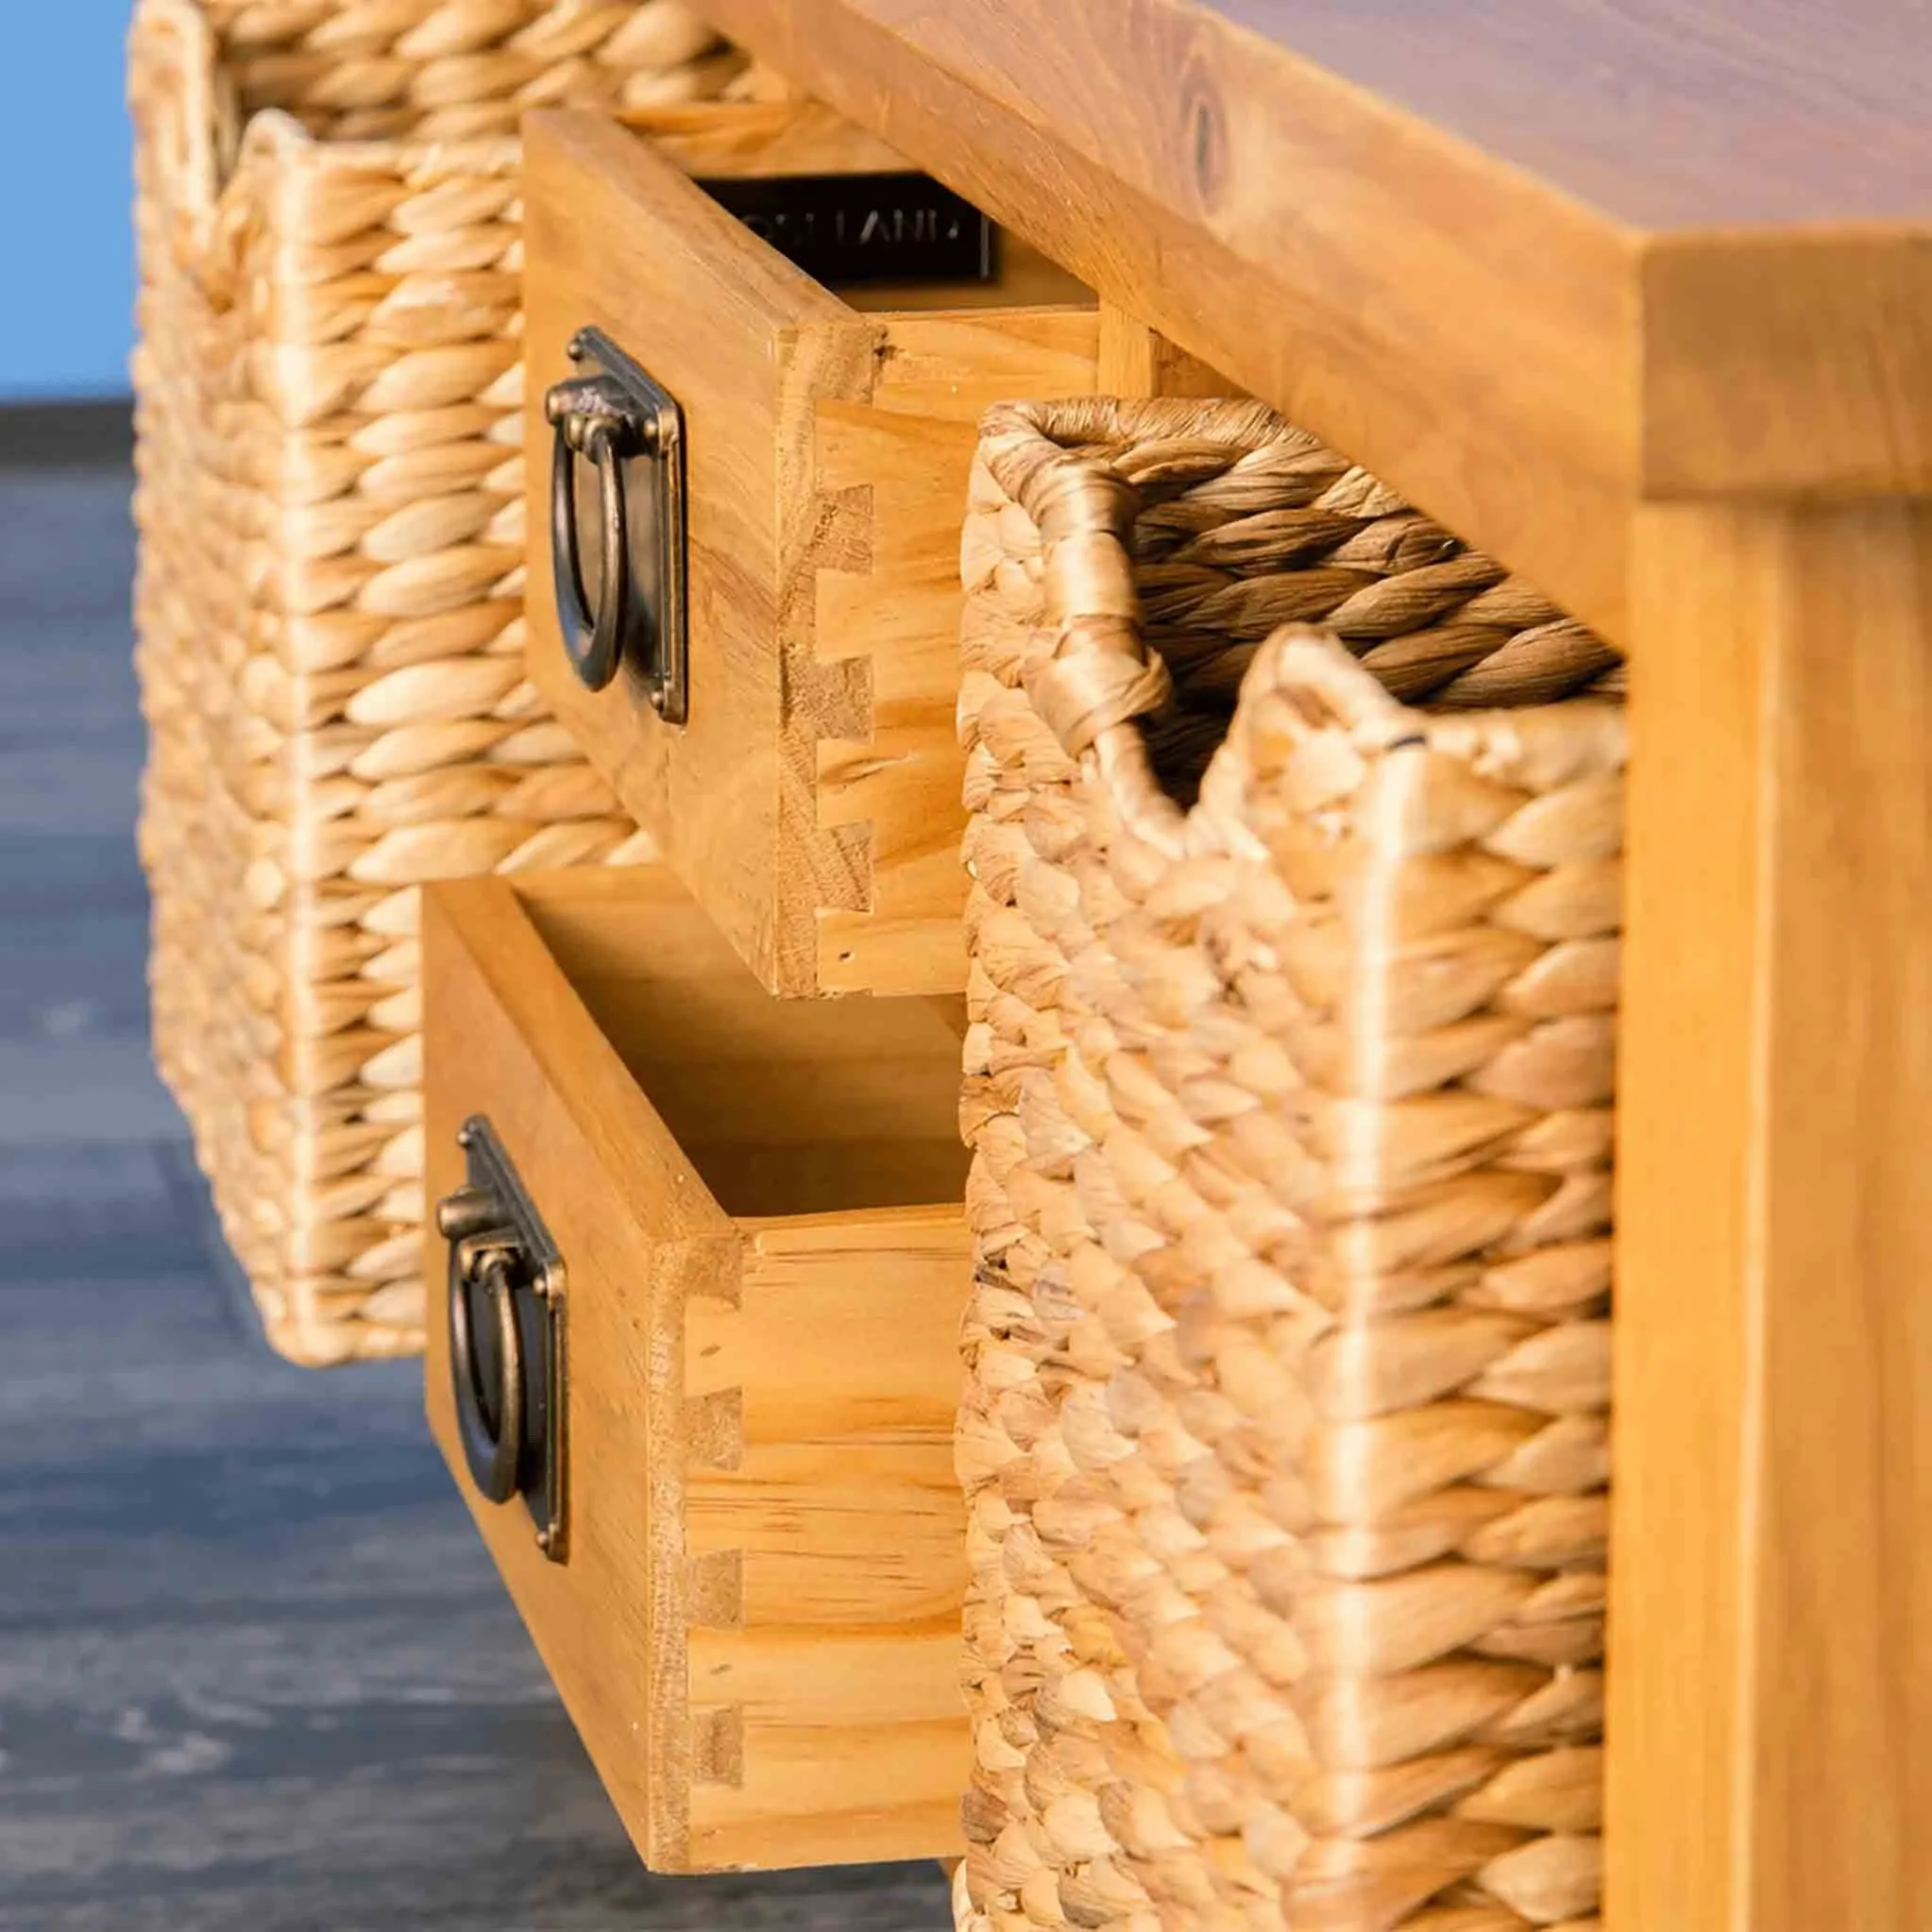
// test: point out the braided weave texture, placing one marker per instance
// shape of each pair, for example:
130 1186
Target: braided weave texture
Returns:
329 606
1285 1435
452 70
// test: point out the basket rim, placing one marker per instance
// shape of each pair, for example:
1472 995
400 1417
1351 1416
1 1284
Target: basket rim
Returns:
1081 468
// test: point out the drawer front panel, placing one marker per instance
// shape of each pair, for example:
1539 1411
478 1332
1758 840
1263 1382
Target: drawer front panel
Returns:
756 1626
618 238
812 799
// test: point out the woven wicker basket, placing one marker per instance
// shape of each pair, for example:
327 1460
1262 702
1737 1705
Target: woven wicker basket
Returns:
1289 1084
329 507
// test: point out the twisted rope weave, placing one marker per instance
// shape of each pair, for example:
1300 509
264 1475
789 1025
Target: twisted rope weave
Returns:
329 605
1285 1435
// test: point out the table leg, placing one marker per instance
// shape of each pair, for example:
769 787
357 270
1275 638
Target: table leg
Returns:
1771 1680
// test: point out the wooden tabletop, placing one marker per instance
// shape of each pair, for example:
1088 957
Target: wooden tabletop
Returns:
1532 259
1666 117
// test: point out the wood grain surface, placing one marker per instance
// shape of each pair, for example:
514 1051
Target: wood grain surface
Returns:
1684 115
256 1675
757 1625
812 800
1396 225
1635 298
1770 1670
1135 360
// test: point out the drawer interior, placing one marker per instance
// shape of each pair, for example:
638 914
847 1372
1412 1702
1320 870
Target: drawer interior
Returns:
777 140
1022 277
784 1107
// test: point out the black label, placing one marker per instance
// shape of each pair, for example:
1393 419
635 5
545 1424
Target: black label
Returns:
847 229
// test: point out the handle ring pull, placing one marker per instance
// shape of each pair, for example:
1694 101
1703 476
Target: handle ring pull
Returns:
490 1420
631 430
594 641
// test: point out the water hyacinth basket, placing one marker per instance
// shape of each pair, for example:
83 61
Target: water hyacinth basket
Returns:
329 506
1295 847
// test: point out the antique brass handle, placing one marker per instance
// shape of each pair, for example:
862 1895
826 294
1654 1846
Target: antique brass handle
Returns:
589 421
632 431
505 1314
486 1361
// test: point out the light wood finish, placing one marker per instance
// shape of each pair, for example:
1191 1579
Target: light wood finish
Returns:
813 799
1619 294
1770 1684
756 1629
836 1671
775 134
1674 249
1135 360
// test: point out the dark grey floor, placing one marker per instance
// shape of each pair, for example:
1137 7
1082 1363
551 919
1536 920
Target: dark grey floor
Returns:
256 1674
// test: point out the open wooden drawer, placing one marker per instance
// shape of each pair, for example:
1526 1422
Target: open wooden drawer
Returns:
739 1360
810 798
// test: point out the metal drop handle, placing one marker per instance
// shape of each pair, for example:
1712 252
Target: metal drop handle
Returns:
593 639
632 431
505 1315
489 1395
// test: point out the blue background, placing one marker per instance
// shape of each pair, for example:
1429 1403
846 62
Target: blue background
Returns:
66 247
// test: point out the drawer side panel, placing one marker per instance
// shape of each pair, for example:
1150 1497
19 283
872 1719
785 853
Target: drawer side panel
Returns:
834 1505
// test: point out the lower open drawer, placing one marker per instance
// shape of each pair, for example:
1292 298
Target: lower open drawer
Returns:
704 1311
